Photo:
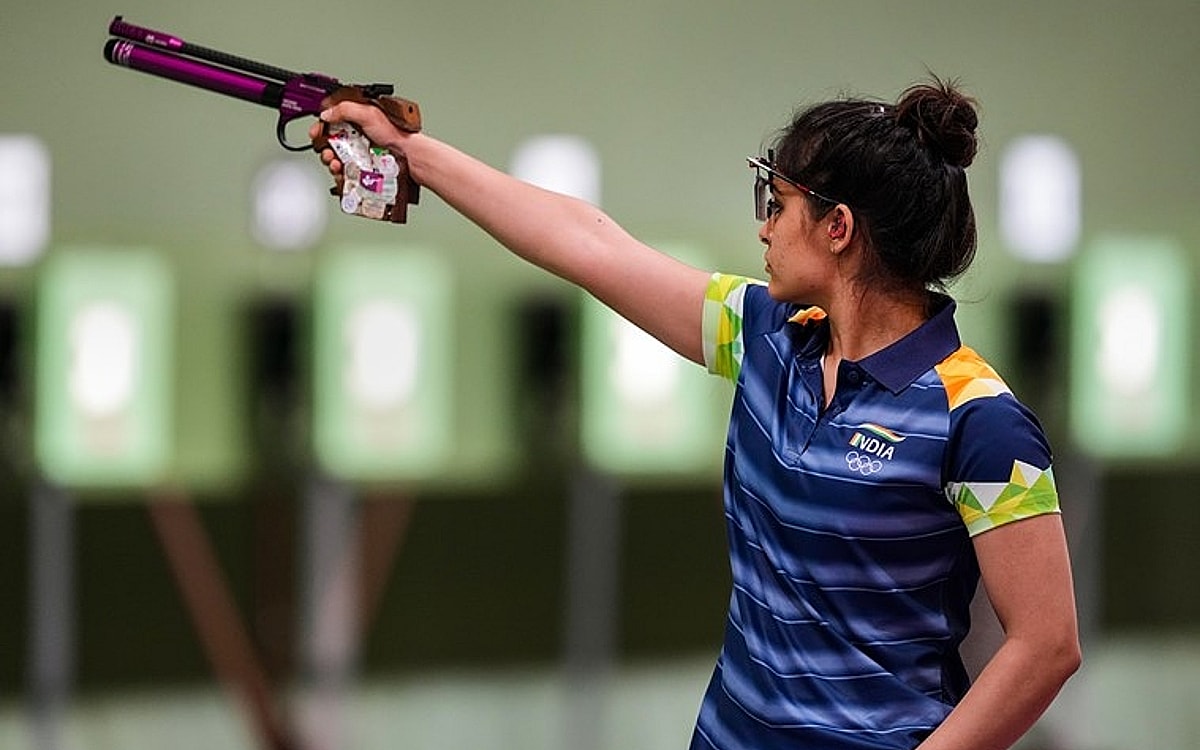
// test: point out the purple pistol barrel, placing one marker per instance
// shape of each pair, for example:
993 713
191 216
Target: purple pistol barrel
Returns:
205 76
171 43
119 27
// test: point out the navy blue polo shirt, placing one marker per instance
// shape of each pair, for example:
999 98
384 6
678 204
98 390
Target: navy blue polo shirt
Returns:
850 527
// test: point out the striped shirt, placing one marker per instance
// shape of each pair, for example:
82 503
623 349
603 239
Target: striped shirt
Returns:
850 526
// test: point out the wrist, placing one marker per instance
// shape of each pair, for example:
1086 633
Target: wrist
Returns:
401 146
416 150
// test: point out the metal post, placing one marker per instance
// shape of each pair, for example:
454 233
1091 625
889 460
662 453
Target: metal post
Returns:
52 613
593 568
329 599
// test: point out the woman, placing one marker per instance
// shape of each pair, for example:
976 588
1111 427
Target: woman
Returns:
876 468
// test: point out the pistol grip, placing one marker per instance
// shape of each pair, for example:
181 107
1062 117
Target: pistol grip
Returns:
404 113
373 182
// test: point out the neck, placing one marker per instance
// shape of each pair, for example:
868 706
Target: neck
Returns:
862 324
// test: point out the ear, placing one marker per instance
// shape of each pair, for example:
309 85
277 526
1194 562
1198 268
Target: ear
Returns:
841 227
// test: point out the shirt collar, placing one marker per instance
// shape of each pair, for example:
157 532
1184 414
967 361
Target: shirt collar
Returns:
898 365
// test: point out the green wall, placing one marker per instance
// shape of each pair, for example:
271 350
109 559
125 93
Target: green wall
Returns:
672 95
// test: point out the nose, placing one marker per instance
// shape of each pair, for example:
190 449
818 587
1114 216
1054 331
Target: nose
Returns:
764 233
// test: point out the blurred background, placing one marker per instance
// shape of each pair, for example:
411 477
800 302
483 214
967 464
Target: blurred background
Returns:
275 477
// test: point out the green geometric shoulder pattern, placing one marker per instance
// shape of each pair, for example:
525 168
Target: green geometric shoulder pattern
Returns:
723 344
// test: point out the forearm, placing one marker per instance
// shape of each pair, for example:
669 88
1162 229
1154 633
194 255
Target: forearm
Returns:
560 233
1011 693
569 238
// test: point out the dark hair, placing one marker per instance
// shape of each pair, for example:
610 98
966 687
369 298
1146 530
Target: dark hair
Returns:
902 171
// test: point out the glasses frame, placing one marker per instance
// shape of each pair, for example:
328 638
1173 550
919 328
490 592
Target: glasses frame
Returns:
762 185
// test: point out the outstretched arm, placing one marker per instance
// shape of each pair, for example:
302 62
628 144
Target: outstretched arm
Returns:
561 234
1027 575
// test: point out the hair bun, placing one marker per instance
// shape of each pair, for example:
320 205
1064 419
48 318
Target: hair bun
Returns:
943 119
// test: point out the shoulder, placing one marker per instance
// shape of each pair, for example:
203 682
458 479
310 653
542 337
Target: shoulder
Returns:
998 462
733 297
984 412
967 377
737 308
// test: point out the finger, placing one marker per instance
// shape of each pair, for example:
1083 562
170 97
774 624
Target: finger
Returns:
336 113
346 111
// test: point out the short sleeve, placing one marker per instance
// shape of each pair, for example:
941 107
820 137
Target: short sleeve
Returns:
998 467
724 315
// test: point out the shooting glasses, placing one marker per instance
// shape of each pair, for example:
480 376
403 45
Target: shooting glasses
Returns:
764 205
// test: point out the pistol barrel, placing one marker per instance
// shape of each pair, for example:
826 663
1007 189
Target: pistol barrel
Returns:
119 27
193 72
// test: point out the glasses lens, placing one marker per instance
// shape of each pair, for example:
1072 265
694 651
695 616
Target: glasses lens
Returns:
762 196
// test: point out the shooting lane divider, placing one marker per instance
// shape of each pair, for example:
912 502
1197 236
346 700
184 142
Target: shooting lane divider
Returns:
383 523
214 614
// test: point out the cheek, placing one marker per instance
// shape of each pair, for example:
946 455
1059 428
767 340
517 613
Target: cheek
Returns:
782 251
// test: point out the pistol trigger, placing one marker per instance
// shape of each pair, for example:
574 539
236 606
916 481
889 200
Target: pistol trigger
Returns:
280 132
281 135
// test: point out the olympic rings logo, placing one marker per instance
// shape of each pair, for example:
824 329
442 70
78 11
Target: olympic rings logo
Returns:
863 463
